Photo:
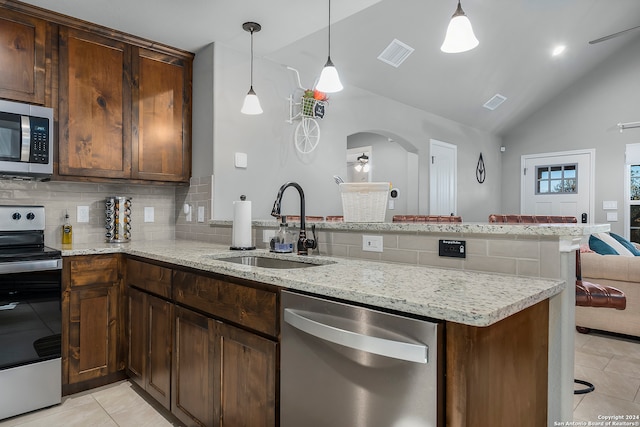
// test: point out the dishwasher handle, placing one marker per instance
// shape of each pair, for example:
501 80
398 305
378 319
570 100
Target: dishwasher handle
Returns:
417 353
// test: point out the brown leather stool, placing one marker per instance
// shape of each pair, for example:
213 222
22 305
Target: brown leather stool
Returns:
594 295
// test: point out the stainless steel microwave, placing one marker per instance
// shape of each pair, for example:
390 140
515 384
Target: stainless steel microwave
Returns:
26 141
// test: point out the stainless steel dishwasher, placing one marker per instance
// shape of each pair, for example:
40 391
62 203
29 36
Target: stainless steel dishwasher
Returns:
348 366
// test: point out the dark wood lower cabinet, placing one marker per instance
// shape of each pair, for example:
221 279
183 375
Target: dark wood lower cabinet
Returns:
149 332
160 337
222 375
93 333
244 376
93 315
497 375
192 390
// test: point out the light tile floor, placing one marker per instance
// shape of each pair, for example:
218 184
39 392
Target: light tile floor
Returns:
110 406
612 364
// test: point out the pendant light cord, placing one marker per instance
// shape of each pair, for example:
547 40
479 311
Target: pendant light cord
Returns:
252 58
329 44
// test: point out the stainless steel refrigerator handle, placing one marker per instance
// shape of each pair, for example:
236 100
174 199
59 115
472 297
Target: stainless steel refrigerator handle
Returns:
417 353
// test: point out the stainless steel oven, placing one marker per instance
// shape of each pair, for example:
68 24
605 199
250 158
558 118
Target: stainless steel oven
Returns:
30 313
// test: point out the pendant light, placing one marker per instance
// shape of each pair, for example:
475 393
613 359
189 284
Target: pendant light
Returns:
460 37
329 80
362 163
251 103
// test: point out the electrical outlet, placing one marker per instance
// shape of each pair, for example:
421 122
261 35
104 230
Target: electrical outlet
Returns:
149 214
267 235
372 243
452 248
82 214
200 213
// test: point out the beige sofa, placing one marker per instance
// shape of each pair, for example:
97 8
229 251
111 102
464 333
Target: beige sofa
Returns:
622 273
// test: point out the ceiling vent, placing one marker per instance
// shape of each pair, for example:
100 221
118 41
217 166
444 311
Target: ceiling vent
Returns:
395 53
495 101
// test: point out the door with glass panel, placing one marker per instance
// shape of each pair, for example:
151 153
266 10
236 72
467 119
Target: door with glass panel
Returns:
634 203
558 184
632 192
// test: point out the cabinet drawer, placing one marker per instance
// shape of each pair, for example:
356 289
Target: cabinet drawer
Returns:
149 277
93 270
243 305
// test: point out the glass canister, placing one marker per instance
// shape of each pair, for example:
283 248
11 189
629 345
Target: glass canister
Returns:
118 219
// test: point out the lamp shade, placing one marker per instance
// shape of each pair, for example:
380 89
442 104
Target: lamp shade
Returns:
459 37
251 104
329 80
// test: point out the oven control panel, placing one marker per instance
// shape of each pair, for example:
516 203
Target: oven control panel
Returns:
21 218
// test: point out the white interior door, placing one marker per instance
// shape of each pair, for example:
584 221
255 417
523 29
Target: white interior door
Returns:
558 184
443 178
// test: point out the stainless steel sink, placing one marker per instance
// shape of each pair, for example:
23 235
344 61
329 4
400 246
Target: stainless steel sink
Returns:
267 262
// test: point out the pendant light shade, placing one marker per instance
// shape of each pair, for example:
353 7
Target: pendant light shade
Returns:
251 103
329 80
460 37
362 163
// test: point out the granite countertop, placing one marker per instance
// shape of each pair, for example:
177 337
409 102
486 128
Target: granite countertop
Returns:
465 228
472 298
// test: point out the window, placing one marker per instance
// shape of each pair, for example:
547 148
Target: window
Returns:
559 179
634 203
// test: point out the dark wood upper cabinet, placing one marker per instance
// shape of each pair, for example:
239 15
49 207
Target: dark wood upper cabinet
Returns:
161 117
122 103
23 43
94 106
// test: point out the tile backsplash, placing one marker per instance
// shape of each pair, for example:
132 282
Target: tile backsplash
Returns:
58 197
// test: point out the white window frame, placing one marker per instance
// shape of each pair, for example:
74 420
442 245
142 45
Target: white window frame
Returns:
632 157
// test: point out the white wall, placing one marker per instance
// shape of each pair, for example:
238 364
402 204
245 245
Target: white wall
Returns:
273 160
583 116
389 163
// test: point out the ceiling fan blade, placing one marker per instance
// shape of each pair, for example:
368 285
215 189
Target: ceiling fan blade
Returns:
610 36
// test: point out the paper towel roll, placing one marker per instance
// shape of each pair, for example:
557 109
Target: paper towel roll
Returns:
241 229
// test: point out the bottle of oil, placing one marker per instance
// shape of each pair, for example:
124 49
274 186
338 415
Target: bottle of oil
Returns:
67 230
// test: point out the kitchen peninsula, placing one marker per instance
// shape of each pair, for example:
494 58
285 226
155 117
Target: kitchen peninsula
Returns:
513 319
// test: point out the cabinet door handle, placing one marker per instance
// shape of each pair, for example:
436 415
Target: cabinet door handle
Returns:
410 352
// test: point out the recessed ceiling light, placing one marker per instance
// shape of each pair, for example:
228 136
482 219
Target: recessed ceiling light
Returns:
558 50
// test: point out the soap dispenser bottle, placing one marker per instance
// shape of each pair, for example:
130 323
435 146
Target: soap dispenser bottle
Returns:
67 230
282 242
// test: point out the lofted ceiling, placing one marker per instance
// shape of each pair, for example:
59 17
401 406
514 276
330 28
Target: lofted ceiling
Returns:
513 58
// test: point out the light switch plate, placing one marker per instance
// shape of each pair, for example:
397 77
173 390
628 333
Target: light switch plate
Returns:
612 216
372 243
609 204
82 214
241 160
149 214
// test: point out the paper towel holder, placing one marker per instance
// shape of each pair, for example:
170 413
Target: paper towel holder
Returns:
241 248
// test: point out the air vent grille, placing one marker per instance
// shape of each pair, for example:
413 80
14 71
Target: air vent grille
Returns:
495 101
395 53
